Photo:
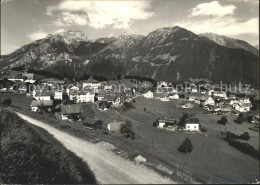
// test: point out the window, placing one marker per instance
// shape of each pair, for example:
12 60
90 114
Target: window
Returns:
194 126
188 126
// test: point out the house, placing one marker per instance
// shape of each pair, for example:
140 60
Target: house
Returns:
192 124
58 95
100 97
232 96
103 106
82 97
191 98
72 89
244 100
114 126
187 106
43 95
167 122
69 110
91 84
36 105
162 84
148 94
194 90
220 94
92 124
28 75
174 96
113 99
165 98
207 100
108 87
242 107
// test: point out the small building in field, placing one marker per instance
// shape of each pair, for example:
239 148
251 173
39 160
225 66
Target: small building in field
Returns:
28 75
37 105
148 94
82 97
207 100
92 124
220 94
69 110
114 126
167 122
192 124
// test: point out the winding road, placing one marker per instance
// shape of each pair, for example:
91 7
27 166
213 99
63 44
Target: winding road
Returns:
107 167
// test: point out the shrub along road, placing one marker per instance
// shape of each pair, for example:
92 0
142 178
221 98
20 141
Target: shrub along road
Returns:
107 167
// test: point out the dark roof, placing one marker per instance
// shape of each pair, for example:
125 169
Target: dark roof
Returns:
91 80
71 109
193 120
168 120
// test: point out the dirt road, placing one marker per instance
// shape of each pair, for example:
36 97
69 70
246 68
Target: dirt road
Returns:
107 167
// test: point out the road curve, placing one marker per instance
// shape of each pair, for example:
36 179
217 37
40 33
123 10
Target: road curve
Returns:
107 167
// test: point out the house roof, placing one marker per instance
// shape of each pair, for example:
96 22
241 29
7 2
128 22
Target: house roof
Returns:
90 121
114 126
71 109
90 80
193 121
167 120
46 103
44 93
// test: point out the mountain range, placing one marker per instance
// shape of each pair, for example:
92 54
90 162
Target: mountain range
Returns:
164 54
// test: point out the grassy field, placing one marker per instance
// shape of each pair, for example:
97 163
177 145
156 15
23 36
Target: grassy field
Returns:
168 109
32 156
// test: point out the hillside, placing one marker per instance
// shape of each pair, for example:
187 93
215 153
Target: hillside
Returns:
30 155
160 55
230 42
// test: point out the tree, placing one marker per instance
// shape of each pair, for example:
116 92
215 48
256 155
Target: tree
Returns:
186 146
127 129
133 100
156 123
7 101
223 120
183 120
240 119
245 136
144 109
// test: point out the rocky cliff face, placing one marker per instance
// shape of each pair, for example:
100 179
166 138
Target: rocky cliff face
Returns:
161 55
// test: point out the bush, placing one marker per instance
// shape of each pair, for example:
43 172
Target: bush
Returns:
245 136
223 120
230 136
202 129
186 146
129 105
183 119
240 119
7 101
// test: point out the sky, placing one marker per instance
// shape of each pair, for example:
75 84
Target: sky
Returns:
24 21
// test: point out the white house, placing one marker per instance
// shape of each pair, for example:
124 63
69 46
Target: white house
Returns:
192 124
148 94
174 97
91 84
165 98
40 95
82 97
207 100
58 95
194 90
242 107
220 94
108 87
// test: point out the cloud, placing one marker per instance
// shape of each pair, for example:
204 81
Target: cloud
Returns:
250 1
100 14
59 31
5 1
224 26
212 9
37 35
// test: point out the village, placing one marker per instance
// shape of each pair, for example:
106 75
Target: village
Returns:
149 110
65 100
